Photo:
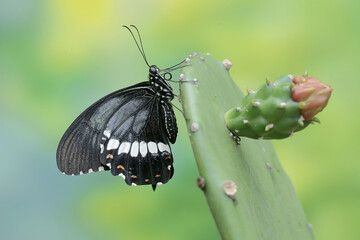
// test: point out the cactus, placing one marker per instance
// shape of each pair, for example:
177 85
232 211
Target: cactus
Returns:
278 109
249 194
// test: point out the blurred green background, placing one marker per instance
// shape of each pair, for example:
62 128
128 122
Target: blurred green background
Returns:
58 57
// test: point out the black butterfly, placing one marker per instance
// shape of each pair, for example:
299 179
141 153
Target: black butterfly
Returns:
127 132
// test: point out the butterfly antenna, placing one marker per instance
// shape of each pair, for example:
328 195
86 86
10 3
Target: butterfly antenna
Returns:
137 44
171 68
142 48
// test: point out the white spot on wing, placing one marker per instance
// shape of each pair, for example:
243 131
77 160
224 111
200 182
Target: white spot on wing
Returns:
134 149
101 168
133 184
113 144
152 147
169 167
143 148
163 147
107 133
101 148
122 175
90 170
159 183
124 147
81 173
109 165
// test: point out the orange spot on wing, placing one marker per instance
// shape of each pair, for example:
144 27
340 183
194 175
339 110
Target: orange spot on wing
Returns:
133 176
110 156
121 166
146 180
168 157
157 175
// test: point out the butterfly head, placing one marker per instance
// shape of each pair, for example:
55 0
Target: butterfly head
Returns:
153 70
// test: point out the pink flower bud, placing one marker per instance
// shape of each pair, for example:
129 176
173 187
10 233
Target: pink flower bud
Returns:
312 93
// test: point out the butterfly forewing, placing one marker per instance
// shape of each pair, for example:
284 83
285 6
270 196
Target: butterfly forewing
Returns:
79 150
126 131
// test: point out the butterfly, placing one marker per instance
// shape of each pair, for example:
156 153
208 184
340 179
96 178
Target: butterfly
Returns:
126 132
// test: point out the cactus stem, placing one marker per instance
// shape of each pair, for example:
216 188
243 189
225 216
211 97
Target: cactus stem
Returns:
268 165
255 103
230 190
194 127
187 60
264 196
201 183
202 58
238 109
302 105
281 105
269 126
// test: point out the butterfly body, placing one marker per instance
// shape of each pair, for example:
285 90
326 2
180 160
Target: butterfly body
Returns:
126 132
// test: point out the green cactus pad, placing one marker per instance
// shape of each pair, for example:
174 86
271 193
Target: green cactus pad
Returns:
267 113
249 194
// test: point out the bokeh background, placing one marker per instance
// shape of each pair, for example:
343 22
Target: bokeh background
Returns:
59 56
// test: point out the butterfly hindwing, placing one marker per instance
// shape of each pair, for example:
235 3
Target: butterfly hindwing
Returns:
79 149
137 147
169 121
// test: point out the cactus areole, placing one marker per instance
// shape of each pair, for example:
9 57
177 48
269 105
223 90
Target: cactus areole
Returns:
278 109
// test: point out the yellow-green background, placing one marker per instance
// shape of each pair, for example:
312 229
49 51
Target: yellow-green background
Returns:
58 57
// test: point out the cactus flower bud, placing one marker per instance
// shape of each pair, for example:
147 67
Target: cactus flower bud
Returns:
313 93
278 109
